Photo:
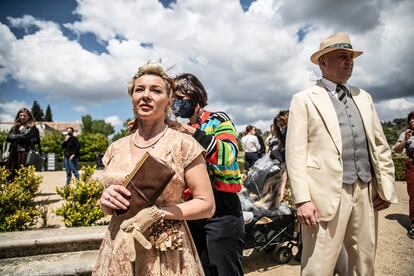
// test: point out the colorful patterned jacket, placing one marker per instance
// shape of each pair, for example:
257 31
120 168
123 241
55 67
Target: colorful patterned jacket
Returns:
216 133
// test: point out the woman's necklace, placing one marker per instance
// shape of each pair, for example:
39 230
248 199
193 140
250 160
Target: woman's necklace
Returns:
152 144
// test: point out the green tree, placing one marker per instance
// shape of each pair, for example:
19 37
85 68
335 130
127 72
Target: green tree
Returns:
123 132
96 126
392 129
91 145
48 115
37 112
52 142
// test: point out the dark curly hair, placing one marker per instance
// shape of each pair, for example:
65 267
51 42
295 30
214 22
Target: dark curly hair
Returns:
189 85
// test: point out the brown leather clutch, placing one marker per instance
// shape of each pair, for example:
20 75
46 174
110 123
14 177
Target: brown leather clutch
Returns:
146 182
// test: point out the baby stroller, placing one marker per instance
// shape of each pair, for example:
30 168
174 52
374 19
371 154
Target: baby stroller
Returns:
272 236
268 227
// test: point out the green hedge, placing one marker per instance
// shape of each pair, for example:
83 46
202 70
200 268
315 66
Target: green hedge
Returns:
399 164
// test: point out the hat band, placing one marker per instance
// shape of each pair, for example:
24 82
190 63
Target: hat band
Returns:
340 45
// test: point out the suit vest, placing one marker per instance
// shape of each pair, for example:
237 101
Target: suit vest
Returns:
355 156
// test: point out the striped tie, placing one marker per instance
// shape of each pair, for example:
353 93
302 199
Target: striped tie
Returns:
342 92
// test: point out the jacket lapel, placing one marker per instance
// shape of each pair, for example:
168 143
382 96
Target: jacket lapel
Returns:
320 98
364 107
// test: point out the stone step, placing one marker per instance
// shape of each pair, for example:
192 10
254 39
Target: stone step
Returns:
69 263
49 241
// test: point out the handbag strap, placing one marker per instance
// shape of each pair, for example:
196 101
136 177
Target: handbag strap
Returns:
40 148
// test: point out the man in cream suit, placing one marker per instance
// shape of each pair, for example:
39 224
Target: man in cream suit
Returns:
339 165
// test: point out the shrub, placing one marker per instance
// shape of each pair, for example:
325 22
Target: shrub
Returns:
399 164
91 145
81 207
17 207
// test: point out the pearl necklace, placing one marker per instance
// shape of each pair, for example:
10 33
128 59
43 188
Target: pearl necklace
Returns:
153 144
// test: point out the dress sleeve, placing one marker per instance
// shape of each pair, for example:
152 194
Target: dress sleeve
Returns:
108 155
190 150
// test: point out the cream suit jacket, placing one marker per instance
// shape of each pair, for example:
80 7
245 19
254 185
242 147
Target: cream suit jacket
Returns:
314 149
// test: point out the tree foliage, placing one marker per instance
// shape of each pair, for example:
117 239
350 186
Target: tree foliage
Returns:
37 112
123 132
91 145
48 115
96 126
51 142
392 129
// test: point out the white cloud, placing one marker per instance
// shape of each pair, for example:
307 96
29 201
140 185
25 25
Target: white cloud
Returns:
80 109
115 121
395 108
8 110
251 63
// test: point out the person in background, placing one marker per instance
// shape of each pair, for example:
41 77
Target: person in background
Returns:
339 164
271 140
219 240
262 150
280 128
23 137
406 141
251 147
71 154
169 249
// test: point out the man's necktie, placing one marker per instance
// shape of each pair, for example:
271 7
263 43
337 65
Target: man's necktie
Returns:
342 92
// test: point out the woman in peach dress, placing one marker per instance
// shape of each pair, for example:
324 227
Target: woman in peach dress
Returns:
172 250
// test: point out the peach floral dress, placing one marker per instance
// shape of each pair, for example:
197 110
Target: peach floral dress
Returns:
177 150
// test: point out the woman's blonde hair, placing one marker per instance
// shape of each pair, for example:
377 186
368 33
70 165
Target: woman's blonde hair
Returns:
152 68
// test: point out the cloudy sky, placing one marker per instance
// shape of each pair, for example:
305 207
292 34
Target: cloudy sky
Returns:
252 56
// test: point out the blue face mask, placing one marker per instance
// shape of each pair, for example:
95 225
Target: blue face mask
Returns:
183 108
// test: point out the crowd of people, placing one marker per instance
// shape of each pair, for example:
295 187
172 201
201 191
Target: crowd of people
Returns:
329 144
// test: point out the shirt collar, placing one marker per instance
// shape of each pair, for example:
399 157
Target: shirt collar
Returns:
203 118
331 86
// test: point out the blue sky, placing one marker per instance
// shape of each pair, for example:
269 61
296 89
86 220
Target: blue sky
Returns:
252 56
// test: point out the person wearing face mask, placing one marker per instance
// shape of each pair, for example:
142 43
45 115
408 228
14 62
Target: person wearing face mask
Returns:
219 240
23 137
279 129
71 148
406 141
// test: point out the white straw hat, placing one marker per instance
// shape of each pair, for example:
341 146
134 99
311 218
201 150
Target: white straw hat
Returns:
338 41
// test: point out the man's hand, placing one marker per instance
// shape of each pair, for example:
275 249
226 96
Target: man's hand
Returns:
67 137
380 204
307 213
181 127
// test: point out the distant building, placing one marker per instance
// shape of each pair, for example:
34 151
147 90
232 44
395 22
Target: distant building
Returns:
47 126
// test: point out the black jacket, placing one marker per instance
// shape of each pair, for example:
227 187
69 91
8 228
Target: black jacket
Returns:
26 138
71 146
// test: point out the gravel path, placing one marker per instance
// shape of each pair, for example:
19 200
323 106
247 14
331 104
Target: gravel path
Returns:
395 254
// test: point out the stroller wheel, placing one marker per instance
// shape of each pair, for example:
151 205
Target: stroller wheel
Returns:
282 254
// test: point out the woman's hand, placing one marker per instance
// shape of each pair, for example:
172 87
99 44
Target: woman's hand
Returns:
114 198
408 134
